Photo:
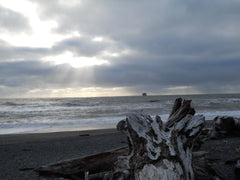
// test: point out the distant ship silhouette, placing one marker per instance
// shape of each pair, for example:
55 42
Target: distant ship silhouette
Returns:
144 94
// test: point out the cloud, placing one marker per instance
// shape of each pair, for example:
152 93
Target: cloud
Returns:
13 22
154 46
83 46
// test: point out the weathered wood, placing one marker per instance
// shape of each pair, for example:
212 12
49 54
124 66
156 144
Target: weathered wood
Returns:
227 125
77 167
156 151
179 111
201 169
101 175
176 106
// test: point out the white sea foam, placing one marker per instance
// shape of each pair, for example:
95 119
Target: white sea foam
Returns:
60 114
233 100
213 114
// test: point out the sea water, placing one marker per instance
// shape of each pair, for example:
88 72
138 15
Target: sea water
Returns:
69 114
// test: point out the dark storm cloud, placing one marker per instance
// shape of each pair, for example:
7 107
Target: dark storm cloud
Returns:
23 73
12 22
171 44
168 74
10 53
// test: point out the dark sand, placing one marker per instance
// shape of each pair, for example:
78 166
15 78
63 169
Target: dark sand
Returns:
20 154
219 152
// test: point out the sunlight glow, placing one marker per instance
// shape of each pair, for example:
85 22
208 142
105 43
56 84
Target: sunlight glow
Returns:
181 90
179 87
74 61
41 35
97 39
77 92
107 53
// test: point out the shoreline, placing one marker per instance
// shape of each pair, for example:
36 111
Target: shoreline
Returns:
41 136
69 132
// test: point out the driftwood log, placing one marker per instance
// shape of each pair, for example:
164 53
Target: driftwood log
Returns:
94 166
156 150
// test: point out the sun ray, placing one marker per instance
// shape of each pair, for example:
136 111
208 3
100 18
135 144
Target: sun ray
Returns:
75 61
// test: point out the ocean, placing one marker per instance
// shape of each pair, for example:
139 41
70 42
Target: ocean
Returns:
38 115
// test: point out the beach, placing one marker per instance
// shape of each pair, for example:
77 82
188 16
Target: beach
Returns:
37 132
21 153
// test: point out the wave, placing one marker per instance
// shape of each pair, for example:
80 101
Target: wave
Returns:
233 100
71 104
146 106
57 126
211 115
8 103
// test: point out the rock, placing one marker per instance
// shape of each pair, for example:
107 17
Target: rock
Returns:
227 125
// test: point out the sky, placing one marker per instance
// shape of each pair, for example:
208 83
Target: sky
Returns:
85 48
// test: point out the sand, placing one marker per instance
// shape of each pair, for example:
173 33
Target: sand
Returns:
20 154
219 152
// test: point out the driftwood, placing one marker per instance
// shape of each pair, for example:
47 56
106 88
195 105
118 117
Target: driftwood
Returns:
96 165
227 125
156 150
224 126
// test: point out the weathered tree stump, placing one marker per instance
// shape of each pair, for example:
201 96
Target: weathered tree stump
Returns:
157 150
